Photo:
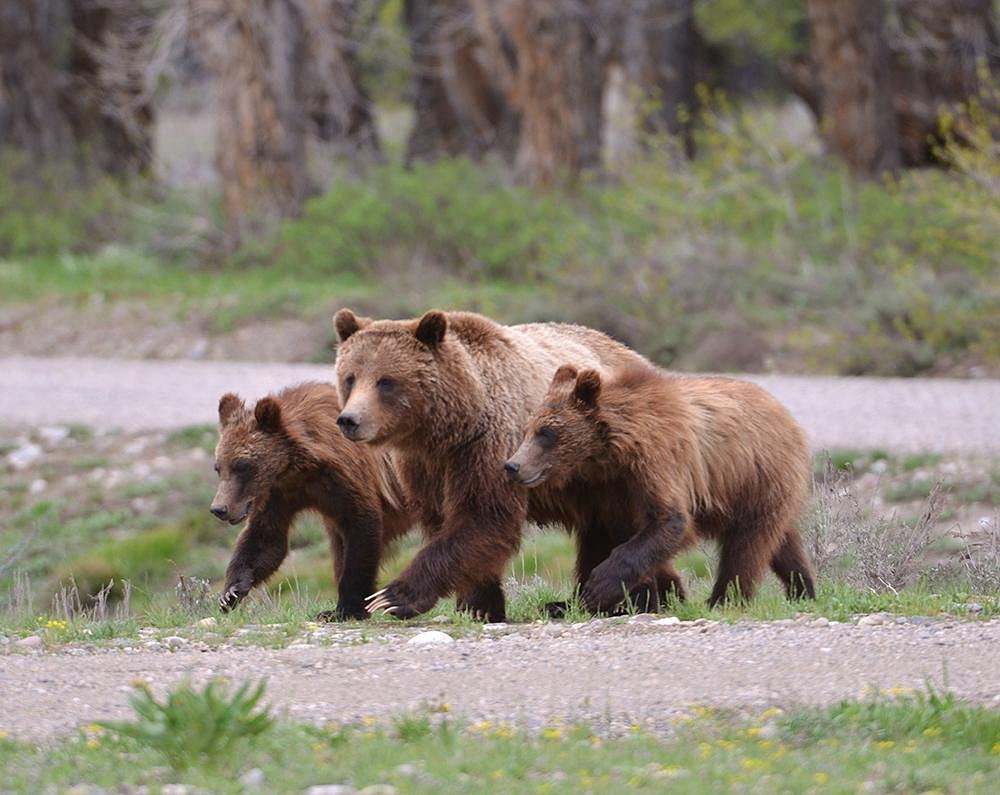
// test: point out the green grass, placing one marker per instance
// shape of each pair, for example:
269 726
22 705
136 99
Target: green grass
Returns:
922 742
910 490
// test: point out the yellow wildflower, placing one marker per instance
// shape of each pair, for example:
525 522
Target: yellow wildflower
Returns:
552 733
821 778
753 731
996 748
752 763
770 713
932 731
884 745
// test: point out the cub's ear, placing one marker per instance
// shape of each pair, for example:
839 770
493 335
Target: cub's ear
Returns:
229 405
267 412
588 387
432 327
347 323
564 375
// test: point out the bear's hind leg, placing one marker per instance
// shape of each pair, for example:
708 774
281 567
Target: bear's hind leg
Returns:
792 566
742 562
485 601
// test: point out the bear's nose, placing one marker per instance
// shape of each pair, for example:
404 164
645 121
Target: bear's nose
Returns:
347 422
512 468
219 512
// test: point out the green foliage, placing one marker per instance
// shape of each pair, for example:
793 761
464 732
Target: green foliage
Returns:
192 727
773 28
203 436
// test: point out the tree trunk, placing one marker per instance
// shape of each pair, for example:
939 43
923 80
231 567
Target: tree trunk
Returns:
855 86
256 54
937 48
660 52
460 107
338 105
32 84
554 62
72 81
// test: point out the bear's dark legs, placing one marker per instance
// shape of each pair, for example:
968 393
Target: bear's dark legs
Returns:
610 581
792 566
593 545
745 552
486 602
356 555
259 551
657 588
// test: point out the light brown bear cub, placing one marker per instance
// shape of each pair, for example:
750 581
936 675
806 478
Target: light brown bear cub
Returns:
668 459
286 456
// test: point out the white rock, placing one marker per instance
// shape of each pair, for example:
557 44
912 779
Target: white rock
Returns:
53 434
378 789
24 455
642 618
822 621
38 485
208 622
669 621
175 641
331 789
253 778
431 637
441 620
498 627
873 620
30 642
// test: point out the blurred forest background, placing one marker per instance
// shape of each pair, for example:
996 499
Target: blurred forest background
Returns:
798 185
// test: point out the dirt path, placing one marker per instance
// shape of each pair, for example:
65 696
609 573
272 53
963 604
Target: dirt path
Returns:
609 674
900 415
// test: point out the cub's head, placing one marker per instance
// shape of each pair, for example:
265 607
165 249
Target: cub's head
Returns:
386 372
252 453
562 434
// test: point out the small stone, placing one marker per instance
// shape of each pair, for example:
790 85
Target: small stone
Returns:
921 620
152 645
902 620
175 641
873 620
24 455
431 637
84 789
497 627
642 618
822 621
38 485
53 434
253 778
199 349
973 607
208 622
30 642
176 789
407 770
669 621
331 789
378 789
803 620
298 646
880 466
441 620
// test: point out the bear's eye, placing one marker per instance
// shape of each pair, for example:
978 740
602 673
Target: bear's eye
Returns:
546 436
349 381
242 467
385 384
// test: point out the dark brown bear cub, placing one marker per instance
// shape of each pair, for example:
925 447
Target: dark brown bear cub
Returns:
667 459
286 456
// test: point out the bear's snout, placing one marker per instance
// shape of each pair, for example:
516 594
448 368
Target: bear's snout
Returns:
348 424
512 468
219 511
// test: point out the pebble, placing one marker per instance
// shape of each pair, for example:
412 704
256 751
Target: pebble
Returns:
642 618
331 789
53 434
378 789
822 621
921 620
176 789
498 627
208 622
441 620
30 642
431 637
24 455
669 621
152 645
973 607
253 778
175 641
874 620
298 646
38 485
84 789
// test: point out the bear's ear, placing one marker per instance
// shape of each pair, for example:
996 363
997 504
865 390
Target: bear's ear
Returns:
267 412
347 323
588 387
432 327
564 375
229 404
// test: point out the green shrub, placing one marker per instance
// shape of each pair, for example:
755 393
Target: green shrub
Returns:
193 727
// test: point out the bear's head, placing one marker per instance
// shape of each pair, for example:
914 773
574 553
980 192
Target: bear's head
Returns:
562 434
252 454
391 374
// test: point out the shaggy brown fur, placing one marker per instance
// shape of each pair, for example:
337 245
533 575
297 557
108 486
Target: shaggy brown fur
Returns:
286 456
659 460
451 394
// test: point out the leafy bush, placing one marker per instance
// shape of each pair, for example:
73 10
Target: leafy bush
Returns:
195 727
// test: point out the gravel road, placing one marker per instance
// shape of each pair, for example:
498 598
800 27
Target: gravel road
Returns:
900 415
603 672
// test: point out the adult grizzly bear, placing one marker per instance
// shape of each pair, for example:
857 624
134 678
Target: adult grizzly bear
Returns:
666 459
286 456
451 394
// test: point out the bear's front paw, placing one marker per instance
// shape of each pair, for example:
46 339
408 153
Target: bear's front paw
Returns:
231 597
400 600
352 612
603 590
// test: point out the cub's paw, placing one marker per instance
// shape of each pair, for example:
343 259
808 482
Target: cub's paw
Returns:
603 591
343 613
400 600
231 597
